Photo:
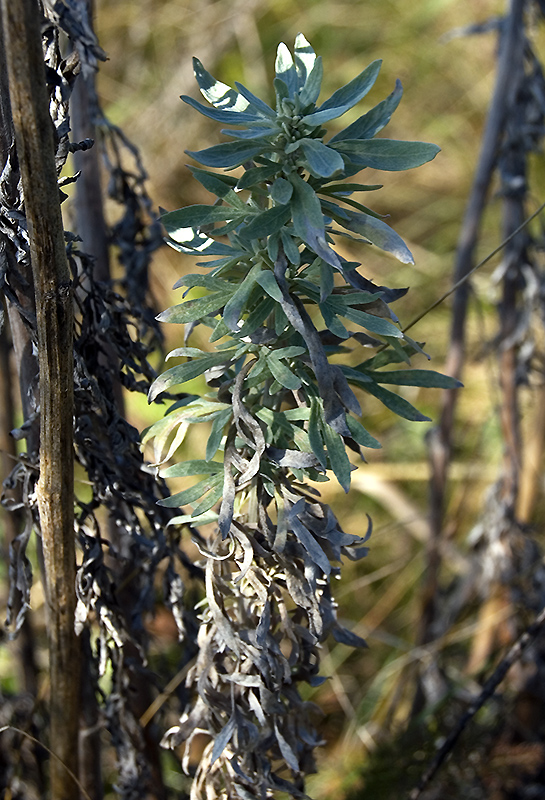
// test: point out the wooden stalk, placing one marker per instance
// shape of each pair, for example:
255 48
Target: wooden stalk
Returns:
36 148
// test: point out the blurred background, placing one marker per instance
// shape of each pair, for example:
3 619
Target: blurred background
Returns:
448 77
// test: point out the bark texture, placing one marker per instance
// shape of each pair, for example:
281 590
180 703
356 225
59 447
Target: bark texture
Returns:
35 140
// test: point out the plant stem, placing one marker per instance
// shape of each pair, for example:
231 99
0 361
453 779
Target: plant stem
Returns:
36 149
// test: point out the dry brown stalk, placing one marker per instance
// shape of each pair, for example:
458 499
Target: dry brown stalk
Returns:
36 149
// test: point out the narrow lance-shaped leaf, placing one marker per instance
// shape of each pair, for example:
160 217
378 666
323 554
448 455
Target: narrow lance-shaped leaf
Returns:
308 220
229 117
186 372
256 102
305 58
230 154
379 234
195 309
416 377
336 452
217 93
386 154
343 99
311 90
197 217
285 69
233 309
395 403
368 125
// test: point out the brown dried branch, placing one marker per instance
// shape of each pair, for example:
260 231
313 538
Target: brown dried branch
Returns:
36 154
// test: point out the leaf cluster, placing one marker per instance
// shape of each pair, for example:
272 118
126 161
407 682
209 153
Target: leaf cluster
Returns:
284 309
280 300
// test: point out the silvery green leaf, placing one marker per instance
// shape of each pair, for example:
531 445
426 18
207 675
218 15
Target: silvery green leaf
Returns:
186 372
396 344
336 452
282 373
282 93
308 220
287 753
386 154
197 216
217 93
348 188
273 245
192 467
290 247
187 495
187 352
292 458
230 154
256 102
227 117
266 223
333 322
216 432
257 316
281 191
191 310
268 282
234 307
395 403
257 175
379 234
220 185
205 281
193 519
368 125
285 69
214 495
290 352
327 280
311 90
305 58
343 99
250 133
322 161
416 377
315 432
360 435
341 305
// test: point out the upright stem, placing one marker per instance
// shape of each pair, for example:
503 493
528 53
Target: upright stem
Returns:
440 441
36 149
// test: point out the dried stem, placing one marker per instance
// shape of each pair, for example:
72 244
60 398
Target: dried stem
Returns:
514 654
35 147
440 439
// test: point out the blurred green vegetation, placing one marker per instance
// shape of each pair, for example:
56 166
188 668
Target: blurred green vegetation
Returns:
447 81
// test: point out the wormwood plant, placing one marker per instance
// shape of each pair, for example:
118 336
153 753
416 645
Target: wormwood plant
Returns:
277 390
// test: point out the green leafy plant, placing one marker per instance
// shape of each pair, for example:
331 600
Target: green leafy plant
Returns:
282 305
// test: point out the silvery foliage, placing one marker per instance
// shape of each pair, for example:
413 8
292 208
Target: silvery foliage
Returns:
279 301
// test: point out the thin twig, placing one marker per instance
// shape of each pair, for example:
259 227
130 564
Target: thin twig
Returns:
514 654
161 699
51 753
475 268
